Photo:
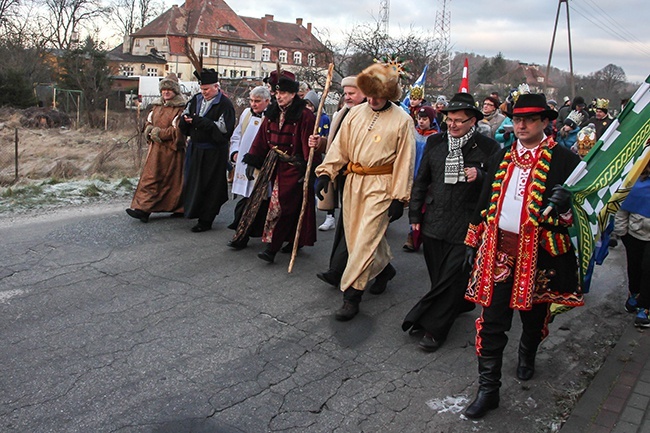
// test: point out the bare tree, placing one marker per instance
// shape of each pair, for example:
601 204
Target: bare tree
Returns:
610 79
131 15
68 17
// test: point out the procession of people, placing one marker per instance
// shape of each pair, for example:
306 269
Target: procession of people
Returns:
492 216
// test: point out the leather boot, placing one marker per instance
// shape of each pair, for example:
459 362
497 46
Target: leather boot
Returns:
381 280
526 365
487 398
350 307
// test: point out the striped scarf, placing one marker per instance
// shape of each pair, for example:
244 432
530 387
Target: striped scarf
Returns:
454 164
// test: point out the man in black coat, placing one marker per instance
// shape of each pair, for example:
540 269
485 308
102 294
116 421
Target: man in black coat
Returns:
444 195
209 121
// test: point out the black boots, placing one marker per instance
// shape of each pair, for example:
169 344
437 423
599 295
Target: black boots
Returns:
381 281
526 365
350 308
138 214
487 398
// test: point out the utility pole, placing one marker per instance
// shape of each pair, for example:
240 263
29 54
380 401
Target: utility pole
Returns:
550 54
442 39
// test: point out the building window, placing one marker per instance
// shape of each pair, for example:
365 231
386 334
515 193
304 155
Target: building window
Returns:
233 73
282 56
137 42
203 47
128 71
231 51
165 42
152 72
297 58
227 28
311 59
266 55
151 43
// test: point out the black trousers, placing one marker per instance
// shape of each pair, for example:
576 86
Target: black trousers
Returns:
496 320
638 268
439 308
339 255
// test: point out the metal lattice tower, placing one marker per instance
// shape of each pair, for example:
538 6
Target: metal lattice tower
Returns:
442 37
384 12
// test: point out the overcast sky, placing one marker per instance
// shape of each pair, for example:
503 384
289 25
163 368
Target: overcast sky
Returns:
602 32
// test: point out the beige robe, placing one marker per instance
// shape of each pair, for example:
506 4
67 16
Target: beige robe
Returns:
366 198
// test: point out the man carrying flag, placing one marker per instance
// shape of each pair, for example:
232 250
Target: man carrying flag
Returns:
524 258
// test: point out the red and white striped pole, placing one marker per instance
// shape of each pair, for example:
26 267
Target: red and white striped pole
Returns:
464 83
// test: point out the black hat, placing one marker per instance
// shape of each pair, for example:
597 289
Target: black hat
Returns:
532 104
208 76
287 81
463 101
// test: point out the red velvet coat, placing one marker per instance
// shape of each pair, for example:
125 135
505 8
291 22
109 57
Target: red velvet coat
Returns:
292 139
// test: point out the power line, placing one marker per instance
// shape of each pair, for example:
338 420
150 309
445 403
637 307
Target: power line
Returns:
600 24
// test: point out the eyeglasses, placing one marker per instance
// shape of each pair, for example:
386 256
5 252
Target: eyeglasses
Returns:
457 122
488 104
526 120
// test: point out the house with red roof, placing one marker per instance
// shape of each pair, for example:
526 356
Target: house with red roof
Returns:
235 46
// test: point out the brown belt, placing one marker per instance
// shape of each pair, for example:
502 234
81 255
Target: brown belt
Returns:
507 242
357 168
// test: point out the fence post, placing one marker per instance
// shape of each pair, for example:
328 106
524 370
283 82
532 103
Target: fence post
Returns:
16 155
106 116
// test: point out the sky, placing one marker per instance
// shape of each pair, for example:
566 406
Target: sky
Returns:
602 32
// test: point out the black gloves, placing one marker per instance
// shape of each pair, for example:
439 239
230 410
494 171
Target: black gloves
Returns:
250 172
322 184
470 255
561 199
395 210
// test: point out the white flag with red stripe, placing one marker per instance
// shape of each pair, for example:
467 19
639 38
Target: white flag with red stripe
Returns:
464 83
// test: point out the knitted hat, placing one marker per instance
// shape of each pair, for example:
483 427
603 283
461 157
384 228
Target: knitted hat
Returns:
170 82
380 81
312 97
441 100
350 81
427 111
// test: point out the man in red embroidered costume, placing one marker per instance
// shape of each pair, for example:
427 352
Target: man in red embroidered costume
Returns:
522 258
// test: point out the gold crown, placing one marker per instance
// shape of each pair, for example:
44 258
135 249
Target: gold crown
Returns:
602 104
396 64
521 90
417 91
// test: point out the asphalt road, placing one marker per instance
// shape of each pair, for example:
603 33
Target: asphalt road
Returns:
112 325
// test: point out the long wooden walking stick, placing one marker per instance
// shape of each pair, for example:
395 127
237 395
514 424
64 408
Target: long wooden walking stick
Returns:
305 185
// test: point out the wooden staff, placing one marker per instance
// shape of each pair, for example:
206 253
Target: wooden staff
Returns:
305 185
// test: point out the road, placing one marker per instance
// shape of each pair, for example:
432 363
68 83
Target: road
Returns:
112 325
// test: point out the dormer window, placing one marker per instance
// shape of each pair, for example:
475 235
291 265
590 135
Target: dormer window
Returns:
227 28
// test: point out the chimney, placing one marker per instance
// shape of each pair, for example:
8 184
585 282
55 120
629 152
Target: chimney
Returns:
126 45
265 20
268 17
299 21
309 28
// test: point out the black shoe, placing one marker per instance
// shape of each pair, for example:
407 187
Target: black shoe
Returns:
428 343
177 215
347 311
267 255
138 214
381 281
416 330
288 249
329 277
483 403
238 245
200 228
524 370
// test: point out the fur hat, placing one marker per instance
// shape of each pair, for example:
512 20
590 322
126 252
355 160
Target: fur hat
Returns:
208 76
532 104
312 97
272 79
442 100
350 81
463 101
380 81
170 82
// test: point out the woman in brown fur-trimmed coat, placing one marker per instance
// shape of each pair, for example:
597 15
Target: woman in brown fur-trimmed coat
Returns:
161 182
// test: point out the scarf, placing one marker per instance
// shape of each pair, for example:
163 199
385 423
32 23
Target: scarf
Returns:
454 164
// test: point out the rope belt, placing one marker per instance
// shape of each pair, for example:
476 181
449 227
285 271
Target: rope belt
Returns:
357 168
